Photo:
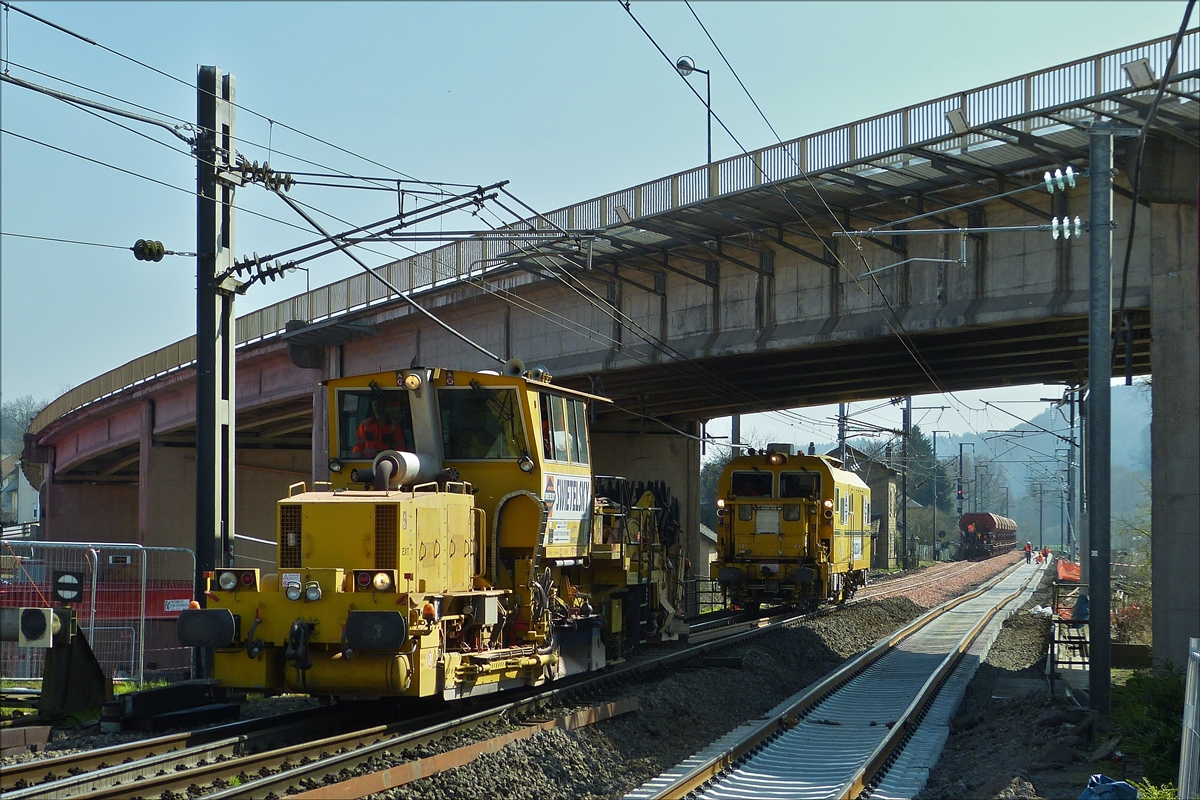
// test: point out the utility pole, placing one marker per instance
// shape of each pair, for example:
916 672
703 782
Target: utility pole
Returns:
1071 458
735 433
215 405
904 481
1100 411
936 469
842 433
961 445
1041 535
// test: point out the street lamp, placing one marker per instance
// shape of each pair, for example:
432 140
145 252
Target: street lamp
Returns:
686 66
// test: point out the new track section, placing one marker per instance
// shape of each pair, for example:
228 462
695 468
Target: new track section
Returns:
839 738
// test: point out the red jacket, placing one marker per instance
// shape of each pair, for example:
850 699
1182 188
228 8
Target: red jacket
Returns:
374 437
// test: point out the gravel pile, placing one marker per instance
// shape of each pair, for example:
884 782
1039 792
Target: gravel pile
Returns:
681 712
1005 743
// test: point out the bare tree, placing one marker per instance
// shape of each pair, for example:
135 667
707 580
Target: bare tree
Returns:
15 416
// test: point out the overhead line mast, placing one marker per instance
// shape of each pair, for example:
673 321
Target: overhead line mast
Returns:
215 335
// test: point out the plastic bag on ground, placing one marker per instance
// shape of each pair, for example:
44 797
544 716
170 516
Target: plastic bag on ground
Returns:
1102 787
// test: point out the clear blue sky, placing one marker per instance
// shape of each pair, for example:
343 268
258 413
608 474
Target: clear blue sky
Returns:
565 100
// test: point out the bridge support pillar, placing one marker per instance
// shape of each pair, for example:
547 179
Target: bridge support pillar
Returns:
642 450
90 512
1175 430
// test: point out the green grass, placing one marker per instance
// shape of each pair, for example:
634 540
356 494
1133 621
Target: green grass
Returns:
1148 714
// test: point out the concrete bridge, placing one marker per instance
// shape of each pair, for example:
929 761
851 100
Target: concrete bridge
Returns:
723 290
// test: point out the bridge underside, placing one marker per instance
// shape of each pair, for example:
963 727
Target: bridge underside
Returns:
1042 351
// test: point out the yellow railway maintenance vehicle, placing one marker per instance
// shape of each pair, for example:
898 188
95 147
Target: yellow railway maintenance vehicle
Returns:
462 547
792 529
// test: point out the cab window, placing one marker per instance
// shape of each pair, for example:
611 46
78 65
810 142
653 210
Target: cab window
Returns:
479 422
372 420
803 485
564 428
752 484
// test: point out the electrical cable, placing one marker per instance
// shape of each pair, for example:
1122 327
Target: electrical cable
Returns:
1141 150
902 334
241 140
190 192
6 4
65 241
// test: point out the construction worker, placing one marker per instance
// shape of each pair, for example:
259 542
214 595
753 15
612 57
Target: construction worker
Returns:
1029 552
378 432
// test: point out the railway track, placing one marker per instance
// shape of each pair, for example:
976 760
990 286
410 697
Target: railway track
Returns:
927 577
839 738
180 762
246 754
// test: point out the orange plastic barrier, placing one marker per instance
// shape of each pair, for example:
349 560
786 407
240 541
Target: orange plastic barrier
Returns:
1068 571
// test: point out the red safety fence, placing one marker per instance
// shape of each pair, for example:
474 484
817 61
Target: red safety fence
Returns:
126 599
163 599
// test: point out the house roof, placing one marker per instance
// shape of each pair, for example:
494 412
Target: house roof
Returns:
858 461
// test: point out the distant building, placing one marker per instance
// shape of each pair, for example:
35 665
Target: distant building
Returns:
708 551
884 483
18 499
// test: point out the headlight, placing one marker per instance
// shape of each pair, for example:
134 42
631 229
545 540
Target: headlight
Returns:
293 591
335 465
775 458
525 463
720 502
312 592
382 581
828 504
228 581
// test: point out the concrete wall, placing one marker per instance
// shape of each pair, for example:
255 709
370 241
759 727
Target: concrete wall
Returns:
1175 431
655 455
91 512
263 477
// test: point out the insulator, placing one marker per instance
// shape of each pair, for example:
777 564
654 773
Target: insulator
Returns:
139 249
1078 227
288 182
158 251
1049 179
1058 180
1054 227
1070 176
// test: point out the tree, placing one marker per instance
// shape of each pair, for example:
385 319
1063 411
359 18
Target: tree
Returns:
15 416
921 471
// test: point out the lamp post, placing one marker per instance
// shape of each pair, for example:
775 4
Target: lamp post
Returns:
686 66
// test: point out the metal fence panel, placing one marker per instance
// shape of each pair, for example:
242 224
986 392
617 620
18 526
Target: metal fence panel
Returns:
1189 751
129 599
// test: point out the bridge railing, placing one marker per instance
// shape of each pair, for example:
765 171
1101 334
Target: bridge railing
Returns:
1069 91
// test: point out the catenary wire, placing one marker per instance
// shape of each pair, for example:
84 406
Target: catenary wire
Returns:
65 241
1141 148
901 333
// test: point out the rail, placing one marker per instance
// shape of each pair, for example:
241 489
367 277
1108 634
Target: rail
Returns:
1034 101
688 777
